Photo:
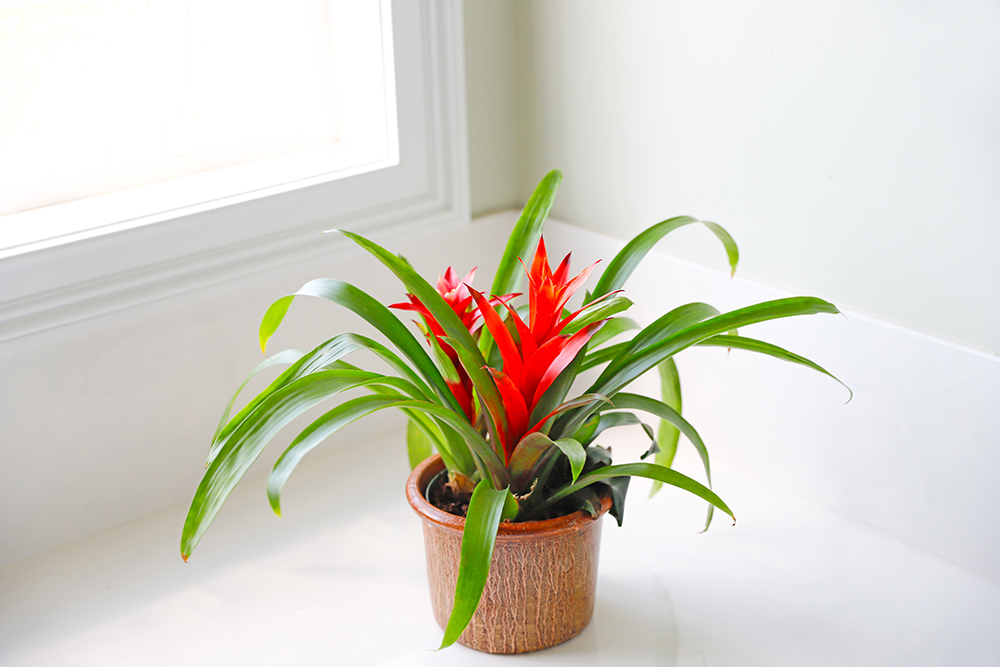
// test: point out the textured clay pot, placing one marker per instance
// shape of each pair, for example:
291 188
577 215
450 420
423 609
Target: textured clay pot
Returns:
540 590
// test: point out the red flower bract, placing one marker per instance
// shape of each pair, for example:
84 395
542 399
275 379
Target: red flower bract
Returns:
456 294
533 361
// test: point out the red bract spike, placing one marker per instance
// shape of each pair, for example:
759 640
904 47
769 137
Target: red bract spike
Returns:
448 282
528 346
564 358
535 367
512 362
562 273
540 265
573 285
517 411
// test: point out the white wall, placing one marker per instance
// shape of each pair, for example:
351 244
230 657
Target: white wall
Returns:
492 87
853 149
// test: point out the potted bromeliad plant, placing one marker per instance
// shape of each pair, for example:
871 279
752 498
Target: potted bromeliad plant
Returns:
511 500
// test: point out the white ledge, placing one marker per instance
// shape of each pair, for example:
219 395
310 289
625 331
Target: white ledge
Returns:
340 580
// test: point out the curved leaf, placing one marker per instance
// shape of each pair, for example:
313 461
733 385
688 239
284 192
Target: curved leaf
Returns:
753 345
482 520
667 413
668 434
612 328
246 443
369 309
597 311
648 470
419 445
325 355
614 420
427 294
574 452
670 323
604 355
622 371
526 459
525 233
283 357
625 262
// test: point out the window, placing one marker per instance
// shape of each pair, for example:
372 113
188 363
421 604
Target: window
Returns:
114 112
53 285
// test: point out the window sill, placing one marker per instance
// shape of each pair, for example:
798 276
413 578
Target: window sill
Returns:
792 584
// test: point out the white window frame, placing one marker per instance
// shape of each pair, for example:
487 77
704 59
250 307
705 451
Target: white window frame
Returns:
50 290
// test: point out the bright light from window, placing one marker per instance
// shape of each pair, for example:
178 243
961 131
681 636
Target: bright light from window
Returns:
198 101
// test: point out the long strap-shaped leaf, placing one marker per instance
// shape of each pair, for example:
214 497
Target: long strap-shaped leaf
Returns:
455 458
672 322
753 345
324 356
622 371
648 470
666 325
354 409
482 520
668 414
626 368
349 296
525 234
667 435
246 443
420 288
625 262
283 357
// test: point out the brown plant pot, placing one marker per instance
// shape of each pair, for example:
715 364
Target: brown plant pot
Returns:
540 589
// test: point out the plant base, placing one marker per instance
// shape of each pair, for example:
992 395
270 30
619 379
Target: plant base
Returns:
540 590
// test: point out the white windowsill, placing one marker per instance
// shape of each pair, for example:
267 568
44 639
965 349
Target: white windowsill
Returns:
340 580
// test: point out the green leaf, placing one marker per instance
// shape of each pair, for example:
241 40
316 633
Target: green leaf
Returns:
324 356
615 327
574 452
743 343
597 311
453 450
369 309
579 401
665 412
604 355
667 435
613 420
246 443
557 391
527 458
648 470
481 524
586 500
525 234
427 294
677 319
625 262
283 357
622 371
619 489
418 445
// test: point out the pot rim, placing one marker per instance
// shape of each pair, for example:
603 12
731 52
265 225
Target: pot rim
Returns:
421 476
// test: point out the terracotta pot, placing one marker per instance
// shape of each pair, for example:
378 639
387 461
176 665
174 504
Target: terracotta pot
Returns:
540 590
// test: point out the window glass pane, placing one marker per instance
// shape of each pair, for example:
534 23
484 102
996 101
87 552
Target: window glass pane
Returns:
99 95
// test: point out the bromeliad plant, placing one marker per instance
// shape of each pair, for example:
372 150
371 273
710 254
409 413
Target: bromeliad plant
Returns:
493 393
